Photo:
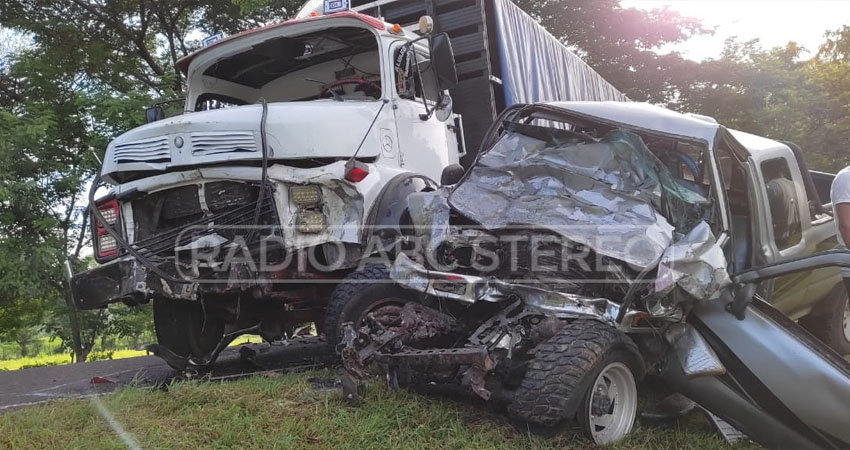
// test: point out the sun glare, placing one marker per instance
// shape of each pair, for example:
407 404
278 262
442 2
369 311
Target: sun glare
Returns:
774 23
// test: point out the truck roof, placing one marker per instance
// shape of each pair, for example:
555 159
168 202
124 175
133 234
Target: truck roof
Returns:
655 118
183 63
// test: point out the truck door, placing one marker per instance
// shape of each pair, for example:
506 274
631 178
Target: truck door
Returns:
425 146
786 231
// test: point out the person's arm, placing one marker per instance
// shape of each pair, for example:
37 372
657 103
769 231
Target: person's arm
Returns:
842 219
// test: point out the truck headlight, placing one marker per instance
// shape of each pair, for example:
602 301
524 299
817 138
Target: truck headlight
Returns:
306 196
310 221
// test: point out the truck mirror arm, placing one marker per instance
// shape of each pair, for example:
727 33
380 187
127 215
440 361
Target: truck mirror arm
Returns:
746 283
742 296
831 258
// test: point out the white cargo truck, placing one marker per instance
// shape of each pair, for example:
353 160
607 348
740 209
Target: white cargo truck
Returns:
299 142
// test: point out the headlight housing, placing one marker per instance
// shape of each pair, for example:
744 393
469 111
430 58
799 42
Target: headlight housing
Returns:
306 196
310 221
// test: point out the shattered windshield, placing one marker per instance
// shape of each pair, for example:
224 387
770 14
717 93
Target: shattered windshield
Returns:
340 64
611 194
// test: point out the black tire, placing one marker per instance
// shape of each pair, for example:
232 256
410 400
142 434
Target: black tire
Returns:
555 386
181 328
360 292
829 327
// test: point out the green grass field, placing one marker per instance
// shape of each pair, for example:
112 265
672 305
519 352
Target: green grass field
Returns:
285 412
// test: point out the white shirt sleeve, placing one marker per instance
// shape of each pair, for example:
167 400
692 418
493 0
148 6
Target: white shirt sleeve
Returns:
841 188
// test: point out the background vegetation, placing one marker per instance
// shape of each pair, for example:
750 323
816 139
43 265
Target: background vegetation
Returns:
76 73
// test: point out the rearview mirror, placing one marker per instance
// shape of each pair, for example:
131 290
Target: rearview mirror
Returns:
443 60
154 113
443 110
451 174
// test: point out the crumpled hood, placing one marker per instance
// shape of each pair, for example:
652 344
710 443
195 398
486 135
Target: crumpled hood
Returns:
612 195
606 195
295 130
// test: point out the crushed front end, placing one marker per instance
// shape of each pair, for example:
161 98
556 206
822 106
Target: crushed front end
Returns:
557 249
245 254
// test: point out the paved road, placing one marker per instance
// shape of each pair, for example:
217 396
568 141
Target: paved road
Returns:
20 388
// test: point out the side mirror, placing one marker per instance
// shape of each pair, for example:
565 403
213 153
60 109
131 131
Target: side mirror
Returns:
154 113
426 25
443 60
443 110
451 174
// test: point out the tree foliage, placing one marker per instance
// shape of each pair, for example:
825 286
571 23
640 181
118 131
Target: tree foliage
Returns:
622 44
779 93
82 75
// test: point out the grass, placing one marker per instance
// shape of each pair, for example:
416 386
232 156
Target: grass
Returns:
285 412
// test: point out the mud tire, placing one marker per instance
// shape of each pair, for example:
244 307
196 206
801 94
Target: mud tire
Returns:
361 291
555 386
181 328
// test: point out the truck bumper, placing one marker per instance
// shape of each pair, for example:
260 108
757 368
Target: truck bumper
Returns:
116 281
128 281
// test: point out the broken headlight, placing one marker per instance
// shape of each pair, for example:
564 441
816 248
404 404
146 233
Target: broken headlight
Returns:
310 221
306 196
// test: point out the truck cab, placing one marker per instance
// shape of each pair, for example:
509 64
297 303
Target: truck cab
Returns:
296 140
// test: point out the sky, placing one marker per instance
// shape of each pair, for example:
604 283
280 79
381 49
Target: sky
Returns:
774 22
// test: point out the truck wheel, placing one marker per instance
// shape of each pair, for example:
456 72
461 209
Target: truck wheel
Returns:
586 371
832 327
181 328
364 291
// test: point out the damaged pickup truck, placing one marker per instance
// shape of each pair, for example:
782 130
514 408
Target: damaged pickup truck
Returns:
594 244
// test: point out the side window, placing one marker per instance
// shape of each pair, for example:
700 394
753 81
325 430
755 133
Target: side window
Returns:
411 83
783 202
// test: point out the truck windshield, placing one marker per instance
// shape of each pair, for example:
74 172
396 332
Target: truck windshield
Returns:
341 64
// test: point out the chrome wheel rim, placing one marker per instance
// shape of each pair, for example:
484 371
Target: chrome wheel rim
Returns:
613 404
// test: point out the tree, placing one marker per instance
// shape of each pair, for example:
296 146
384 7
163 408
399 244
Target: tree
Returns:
622 44
778 93
132 322
84 74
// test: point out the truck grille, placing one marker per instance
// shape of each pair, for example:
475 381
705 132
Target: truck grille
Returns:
226 219
151 150
219 142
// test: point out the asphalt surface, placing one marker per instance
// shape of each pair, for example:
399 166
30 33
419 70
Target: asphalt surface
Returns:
26 387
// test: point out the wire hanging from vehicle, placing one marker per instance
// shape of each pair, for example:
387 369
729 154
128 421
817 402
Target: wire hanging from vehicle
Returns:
261 197
375 119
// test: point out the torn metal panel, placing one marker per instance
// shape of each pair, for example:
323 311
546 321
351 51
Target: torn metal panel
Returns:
693 352
471 289
695 263
606 195
429 213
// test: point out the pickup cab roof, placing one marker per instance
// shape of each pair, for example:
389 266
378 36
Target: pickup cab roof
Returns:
644 116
